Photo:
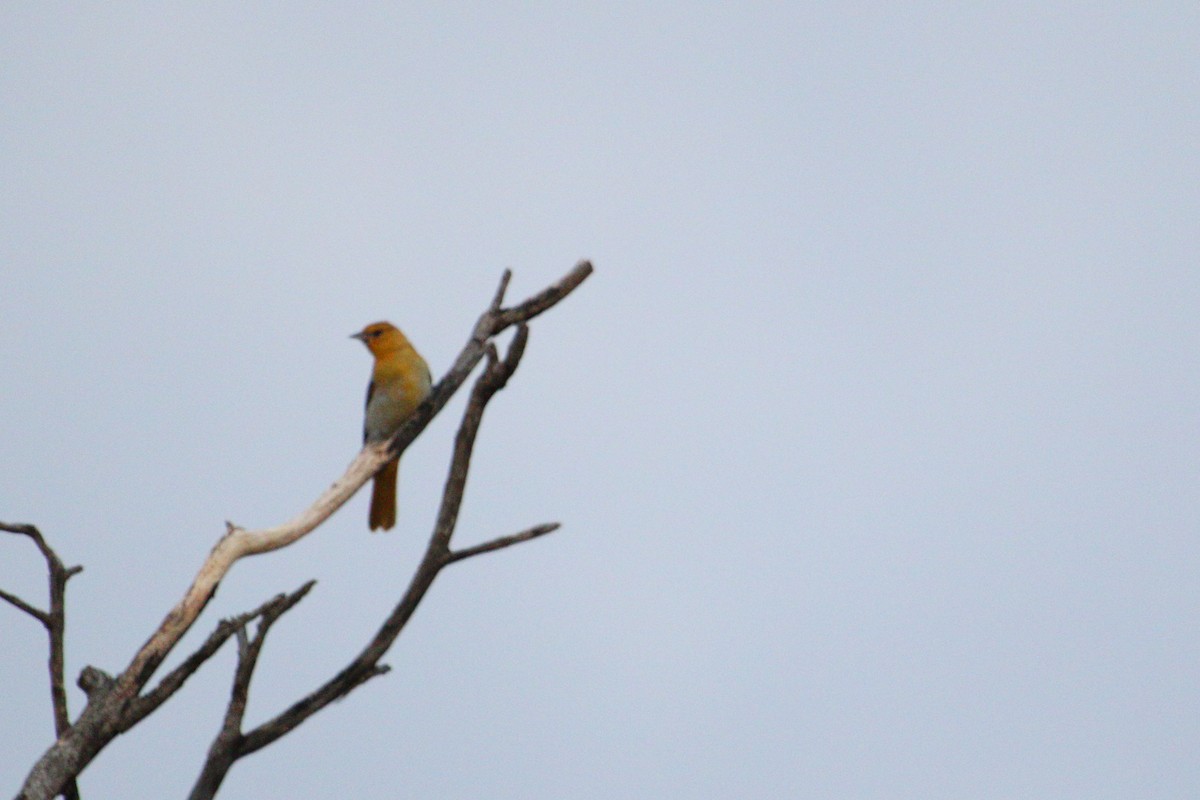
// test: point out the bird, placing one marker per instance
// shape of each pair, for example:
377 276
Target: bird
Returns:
400 381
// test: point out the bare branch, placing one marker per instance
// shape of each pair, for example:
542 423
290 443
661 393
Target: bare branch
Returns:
36 613
492 322
174 680
226 747
55 622
103 716
53 564
493 379
249 650
47 552
238 543
502 542
499 298
25 529
437 555
512 359
546 298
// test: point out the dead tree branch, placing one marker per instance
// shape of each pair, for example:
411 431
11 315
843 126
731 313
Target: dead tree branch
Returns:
502 542
226 747
54 621
174 680
231 744
437 556
112 705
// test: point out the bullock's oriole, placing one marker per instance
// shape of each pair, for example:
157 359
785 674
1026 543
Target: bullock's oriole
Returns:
399 382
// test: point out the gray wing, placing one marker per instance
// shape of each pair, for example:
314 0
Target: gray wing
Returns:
366 405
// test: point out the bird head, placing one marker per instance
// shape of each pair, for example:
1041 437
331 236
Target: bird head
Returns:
381 337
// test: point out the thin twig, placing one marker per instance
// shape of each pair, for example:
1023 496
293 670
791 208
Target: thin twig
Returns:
545 299
502 542
174 680
36 613
499 298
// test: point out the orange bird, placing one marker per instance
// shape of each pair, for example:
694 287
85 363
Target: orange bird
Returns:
399 382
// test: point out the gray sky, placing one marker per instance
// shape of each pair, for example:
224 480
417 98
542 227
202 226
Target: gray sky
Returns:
874 435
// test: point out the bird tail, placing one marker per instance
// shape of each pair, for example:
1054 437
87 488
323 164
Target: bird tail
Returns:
383 497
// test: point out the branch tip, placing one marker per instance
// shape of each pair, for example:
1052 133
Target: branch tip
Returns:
499 298
502 542
94 681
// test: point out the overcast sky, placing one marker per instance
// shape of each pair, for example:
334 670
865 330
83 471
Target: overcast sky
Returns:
874 436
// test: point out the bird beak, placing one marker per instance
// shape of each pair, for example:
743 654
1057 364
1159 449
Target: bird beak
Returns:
358 336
